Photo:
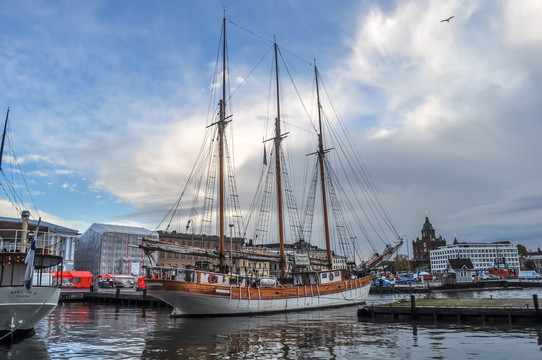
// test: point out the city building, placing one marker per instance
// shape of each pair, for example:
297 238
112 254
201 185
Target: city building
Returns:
175 260
303 250
484 256
113 249
298 254
422 247
255 267
458 271
533 262
64 237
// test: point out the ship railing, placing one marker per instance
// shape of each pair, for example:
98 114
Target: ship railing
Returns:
46 242
208 277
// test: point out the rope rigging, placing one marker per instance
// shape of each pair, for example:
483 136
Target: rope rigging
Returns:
15 184
349 213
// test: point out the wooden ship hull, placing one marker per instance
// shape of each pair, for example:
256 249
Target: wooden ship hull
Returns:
202 298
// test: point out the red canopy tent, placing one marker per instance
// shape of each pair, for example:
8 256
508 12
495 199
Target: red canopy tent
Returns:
74 279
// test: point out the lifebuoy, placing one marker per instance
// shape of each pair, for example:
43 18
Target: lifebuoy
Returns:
330 277
212 279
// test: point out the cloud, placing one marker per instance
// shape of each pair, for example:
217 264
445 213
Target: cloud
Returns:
37 173
64 172
445 115
452 124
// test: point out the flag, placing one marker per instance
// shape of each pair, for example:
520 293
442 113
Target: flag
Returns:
29 261
264 156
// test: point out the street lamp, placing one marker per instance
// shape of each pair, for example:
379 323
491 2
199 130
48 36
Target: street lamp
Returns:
231 250
407 252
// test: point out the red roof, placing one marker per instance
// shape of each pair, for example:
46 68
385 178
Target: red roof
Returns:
73 274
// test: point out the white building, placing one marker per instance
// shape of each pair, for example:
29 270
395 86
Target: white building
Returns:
112 249
64 237
483 256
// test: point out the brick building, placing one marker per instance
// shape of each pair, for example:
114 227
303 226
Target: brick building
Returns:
428 242
168 259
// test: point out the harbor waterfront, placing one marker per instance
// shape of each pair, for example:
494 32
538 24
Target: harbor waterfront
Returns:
93 331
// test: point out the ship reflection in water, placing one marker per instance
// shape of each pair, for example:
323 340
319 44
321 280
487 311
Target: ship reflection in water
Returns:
103 332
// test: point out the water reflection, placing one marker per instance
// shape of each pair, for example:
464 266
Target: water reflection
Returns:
329 334
304 335
31 348
104 332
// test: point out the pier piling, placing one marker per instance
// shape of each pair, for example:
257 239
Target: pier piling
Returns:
536 309
413 306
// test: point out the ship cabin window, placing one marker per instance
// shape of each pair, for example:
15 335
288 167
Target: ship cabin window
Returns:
324 276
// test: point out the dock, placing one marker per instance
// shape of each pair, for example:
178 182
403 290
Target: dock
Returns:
436 286
114 297
480 311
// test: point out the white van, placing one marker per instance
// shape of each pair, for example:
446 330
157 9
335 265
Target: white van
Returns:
529 275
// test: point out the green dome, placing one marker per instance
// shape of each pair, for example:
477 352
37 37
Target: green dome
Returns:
427 225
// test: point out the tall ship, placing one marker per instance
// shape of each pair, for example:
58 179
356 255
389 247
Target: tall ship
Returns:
279 268
28 257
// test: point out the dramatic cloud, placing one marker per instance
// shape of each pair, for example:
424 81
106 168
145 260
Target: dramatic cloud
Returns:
110 106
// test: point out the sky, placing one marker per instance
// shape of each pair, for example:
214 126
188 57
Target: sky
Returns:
108 102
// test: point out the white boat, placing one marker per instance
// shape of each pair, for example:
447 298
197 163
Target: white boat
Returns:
27 293
22 307
301 281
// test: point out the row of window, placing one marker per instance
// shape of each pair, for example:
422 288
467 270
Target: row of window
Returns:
201 244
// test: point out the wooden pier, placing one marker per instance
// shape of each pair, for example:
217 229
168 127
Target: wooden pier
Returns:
436 286
479 311
118 297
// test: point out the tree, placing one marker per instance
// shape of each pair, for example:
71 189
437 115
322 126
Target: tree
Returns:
522 250
400 263
529 265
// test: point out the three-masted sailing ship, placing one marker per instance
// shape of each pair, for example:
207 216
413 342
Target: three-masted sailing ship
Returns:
301 280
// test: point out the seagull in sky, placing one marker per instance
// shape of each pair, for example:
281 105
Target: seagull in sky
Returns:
448 19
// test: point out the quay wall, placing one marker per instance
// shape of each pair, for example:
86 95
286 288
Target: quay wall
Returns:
480 311
118 298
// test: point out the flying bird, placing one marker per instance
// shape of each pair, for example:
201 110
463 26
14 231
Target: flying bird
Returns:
448 19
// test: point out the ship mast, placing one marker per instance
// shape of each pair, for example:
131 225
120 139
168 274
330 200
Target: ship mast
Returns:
321 157
3 139
276 141
221 128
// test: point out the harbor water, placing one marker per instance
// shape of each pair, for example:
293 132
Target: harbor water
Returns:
87 331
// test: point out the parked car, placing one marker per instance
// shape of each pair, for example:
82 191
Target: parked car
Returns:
529 275
383 282
489 277
408 280
112 282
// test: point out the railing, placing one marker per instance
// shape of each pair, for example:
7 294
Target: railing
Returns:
46 242
208 277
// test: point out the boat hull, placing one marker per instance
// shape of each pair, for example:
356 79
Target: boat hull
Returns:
192 299
22 309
